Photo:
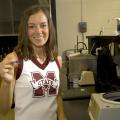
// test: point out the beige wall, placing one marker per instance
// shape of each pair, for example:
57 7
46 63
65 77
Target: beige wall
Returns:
97 14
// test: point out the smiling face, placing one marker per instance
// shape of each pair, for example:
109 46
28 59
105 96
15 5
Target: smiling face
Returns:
38 29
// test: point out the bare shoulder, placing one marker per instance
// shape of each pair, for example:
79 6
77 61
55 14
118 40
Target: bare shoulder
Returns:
59 58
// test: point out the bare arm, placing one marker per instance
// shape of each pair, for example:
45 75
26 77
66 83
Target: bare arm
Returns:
60 109
6 96
7 78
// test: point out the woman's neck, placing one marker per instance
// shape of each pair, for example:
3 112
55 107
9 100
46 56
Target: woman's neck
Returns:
40 55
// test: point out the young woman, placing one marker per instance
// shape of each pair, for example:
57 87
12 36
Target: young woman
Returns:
30 74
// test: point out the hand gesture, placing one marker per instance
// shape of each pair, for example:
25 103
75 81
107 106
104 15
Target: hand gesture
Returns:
7 69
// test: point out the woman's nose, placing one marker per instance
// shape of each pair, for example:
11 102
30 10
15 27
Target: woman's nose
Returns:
38 28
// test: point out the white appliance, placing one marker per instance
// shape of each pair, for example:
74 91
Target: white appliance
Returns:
104 109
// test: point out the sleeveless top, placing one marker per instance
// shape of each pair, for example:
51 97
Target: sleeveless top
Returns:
36 90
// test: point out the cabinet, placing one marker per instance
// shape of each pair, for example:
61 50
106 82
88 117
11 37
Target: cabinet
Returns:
101 41
6 17
11 11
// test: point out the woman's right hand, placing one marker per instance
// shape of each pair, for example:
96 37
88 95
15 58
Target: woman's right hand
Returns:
7 69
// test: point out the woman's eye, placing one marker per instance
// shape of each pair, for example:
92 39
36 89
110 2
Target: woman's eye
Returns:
43 25
31 26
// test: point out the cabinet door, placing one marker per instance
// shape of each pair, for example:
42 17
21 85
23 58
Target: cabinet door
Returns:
5 17
11 11
20 5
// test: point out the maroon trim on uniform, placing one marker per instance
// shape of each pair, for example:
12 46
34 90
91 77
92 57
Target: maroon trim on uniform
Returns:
20 66
19 70
42 66
57 62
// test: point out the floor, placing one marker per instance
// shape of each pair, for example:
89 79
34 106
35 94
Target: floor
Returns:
77 109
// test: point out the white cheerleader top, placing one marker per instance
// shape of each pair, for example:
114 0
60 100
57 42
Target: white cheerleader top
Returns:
36 90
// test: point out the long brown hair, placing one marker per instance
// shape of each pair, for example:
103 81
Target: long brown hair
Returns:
24 46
